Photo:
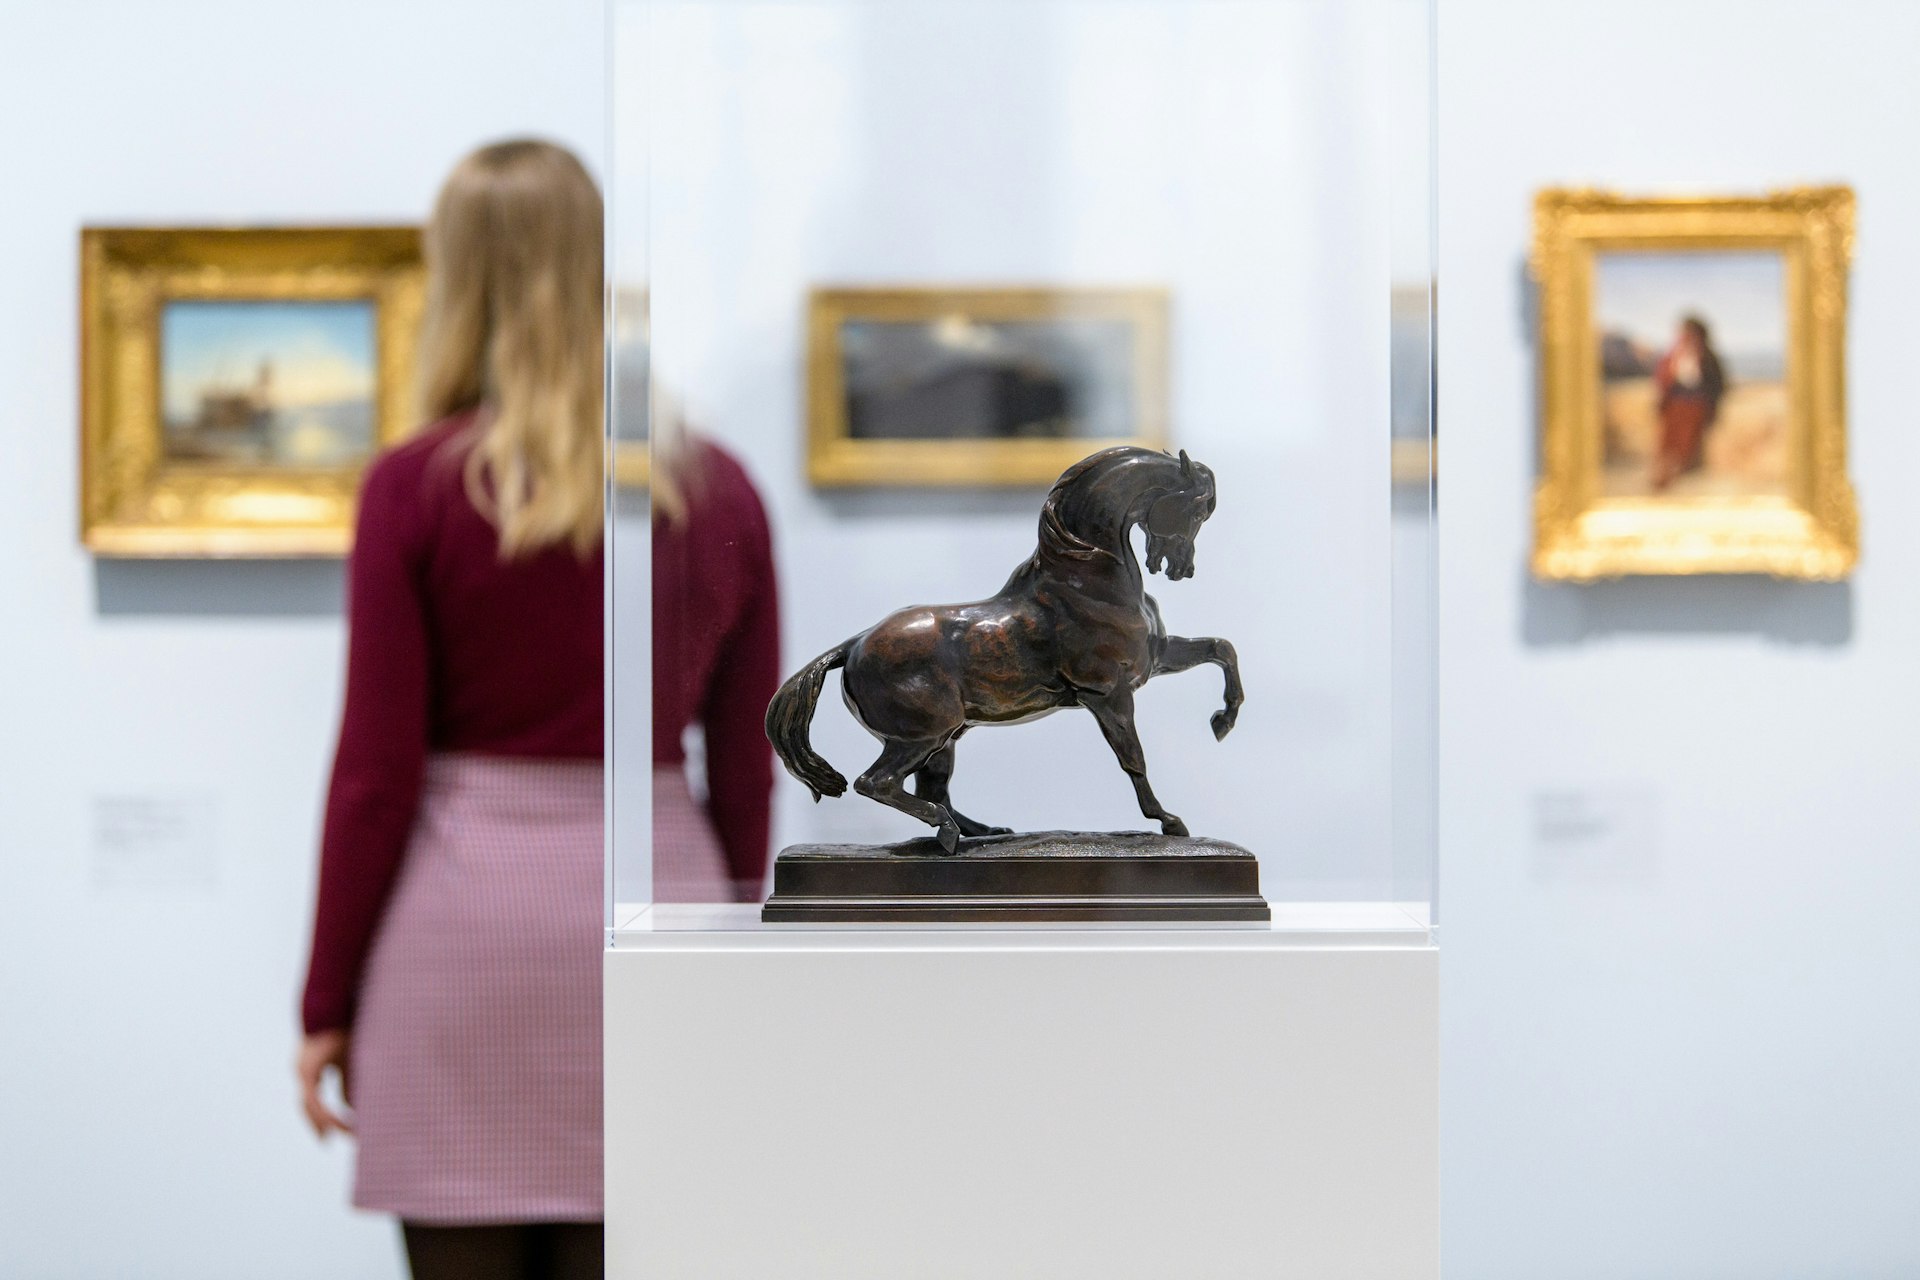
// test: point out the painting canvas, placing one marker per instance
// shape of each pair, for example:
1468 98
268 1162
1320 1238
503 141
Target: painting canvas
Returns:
958 378
1693 373
266 383
979 386
1692 385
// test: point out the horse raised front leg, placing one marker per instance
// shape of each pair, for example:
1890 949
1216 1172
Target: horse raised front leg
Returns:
931 784
882 782
1114 713
1178 653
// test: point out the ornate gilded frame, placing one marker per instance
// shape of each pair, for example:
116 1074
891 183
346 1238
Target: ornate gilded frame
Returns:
1813 531
836 459
133 501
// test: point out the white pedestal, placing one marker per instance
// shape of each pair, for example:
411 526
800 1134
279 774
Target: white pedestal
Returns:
1168 1105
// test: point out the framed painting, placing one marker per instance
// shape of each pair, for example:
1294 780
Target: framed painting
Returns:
629 414
1693 385
963 387
234 383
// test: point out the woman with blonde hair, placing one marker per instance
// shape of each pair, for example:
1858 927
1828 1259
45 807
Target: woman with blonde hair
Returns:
455 975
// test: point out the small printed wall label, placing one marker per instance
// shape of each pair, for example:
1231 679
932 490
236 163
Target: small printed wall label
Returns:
154 842
1603 834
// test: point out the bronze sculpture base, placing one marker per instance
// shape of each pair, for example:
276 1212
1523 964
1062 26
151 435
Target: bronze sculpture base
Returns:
1067 876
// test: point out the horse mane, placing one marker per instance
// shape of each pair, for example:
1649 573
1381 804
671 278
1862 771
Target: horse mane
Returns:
1058 541
1077 494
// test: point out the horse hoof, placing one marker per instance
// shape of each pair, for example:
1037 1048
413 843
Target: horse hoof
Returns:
1223 724
1172 827
949 837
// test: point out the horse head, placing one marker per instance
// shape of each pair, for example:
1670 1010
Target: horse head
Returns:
1100 498
1173 519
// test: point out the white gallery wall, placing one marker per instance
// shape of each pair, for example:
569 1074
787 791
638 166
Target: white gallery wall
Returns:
1681 838
147 989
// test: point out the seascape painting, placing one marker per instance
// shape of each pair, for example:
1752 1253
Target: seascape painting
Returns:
270 384
1693 373
235 382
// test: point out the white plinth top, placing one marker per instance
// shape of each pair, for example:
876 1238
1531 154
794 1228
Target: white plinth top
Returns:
1318 925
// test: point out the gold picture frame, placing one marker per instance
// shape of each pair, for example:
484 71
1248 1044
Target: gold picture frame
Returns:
139 497
632 464
629 451
837 456
1803 522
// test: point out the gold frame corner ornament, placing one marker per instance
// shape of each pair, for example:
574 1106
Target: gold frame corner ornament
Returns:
134 502
1812 532
835 459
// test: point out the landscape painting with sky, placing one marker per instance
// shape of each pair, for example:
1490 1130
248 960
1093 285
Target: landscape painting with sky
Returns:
270 384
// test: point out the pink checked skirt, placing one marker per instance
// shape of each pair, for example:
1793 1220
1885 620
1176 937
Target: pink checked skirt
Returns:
476 1049
688 865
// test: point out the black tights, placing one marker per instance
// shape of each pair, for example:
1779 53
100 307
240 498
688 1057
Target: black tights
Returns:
521 1251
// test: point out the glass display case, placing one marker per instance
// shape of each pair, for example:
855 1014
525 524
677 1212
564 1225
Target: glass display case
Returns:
889 266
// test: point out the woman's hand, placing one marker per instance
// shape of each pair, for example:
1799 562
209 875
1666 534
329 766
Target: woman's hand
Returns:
319 1051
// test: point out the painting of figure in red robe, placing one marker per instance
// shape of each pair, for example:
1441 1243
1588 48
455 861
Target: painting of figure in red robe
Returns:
1693 373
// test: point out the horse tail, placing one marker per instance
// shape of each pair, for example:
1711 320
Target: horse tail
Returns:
789 714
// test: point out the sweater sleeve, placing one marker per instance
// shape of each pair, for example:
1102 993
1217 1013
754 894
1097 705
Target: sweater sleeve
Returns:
381 759
739 757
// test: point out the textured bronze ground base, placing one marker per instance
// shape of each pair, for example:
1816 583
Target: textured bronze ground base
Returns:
1041 877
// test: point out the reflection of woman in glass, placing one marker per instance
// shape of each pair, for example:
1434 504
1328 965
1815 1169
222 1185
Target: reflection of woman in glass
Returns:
455 972
1688 386
716 664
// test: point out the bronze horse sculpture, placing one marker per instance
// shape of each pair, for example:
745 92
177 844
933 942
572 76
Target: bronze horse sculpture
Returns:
1072 627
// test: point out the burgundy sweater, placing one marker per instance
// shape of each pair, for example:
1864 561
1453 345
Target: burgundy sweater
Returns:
452 649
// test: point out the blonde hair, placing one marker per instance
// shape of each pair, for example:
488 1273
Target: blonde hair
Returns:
513 328
672 473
